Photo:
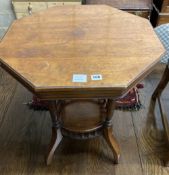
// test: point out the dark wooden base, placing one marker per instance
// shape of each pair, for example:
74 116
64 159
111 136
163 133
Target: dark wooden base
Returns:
82 120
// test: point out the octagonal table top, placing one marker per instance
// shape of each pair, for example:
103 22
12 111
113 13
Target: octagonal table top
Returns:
46 50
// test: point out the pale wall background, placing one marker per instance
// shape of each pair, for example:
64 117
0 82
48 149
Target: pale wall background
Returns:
6 16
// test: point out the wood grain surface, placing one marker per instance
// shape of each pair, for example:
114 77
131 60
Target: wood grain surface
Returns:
7 91
47 48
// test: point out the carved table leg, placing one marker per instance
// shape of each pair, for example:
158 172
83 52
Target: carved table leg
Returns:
108 135
56 133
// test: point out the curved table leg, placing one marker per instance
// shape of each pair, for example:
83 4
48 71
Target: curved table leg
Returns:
108 135
56 133
110 139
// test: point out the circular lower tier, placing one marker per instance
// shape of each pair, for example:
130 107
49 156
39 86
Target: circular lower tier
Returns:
82 116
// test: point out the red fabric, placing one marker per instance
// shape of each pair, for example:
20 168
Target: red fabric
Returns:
130 101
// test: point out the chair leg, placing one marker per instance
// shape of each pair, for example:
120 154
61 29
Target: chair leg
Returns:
156 95
161 86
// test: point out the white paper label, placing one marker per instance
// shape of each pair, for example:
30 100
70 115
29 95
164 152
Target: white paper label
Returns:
79 78
96 77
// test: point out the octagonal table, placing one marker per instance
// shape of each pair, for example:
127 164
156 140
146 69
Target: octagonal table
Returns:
79 59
